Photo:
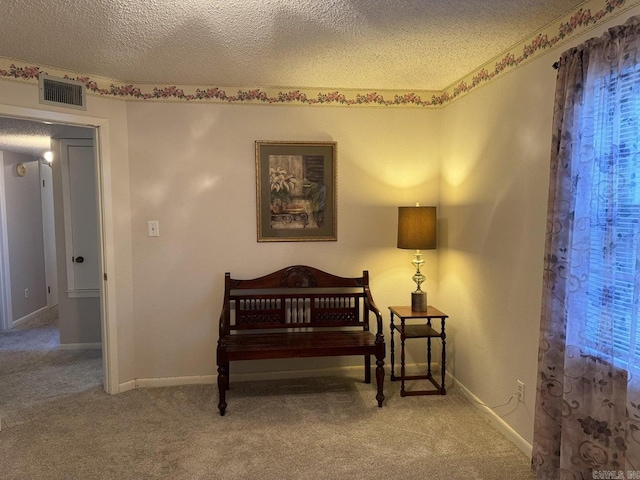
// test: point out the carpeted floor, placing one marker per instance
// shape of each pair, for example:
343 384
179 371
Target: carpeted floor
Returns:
57 423
33 371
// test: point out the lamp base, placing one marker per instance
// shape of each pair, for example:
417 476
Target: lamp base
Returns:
419 301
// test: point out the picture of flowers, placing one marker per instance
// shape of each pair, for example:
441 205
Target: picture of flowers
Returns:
296 191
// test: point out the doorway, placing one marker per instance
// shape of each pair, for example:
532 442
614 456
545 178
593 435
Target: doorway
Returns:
99 128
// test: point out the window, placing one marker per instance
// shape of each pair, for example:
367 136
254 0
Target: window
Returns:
614 260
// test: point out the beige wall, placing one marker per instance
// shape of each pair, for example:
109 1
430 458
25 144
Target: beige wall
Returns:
494 186
495 159
193 170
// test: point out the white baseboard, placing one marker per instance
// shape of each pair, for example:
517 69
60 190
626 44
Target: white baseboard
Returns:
166 382
126 386
80 346
30 316
496 421
174 381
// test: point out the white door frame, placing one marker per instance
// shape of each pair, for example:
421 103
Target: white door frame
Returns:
6 313
105 228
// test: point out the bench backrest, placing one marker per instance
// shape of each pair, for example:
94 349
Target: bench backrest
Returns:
296 297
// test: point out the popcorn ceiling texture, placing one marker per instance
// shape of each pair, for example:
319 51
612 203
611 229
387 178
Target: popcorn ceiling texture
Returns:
365 44
34 138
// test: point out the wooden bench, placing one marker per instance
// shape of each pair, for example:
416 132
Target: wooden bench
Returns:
298 311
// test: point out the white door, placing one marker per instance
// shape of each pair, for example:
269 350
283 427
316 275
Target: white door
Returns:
81 225
49 233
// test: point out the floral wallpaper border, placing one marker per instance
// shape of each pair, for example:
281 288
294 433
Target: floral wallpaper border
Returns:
590 14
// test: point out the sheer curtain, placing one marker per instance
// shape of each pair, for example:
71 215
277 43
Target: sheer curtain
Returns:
587 420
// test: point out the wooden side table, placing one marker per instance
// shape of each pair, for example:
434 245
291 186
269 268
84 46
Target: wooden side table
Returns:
422 330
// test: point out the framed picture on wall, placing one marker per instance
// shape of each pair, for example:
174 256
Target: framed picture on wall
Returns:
296 191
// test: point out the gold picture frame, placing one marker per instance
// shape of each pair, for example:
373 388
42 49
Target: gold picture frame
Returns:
296 191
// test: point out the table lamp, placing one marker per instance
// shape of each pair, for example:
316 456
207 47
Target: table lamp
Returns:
417 231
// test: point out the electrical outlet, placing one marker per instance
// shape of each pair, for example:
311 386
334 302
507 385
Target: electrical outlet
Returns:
26 293
520 391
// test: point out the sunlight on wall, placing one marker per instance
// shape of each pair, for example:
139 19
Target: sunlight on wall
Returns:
205 183
398 166
180 183
461 159
409 171
456 169
155 193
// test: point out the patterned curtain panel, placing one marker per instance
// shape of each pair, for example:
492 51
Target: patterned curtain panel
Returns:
587 420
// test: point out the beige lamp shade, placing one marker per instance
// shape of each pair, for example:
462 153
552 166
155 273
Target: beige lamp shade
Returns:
417 228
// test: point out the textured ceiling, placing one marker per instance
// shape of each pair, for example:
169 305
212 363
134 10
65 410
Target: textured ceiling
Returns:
371 44
362 44
34 138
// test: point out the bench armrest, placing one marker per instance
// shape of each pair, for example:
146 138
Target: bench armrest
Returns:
224 325
371 306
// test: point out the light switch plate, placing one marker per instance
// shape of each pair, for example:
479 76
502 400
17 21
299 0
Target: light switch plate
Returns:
154 228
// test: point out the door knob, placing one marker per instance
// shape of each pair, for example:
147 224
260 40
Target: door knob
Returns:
79 259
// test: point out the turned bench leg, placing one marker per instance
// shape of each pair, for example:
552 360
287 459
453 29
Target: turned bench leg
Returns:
223 386
380 379
367 369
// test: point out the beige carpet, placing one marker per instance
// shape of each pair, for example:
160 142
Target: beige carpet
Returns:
57 423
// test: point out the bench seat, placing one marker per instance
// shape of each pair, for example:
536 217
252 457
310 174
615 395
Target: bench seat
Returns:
298 344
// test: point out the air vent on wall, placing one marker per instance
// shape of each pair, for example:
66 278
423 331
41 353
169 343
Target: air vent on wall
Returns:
62 92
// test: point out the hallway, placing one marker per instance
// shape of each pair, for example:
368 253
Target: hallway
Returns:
34 372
